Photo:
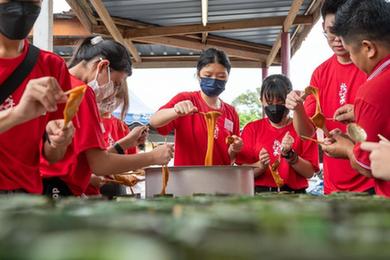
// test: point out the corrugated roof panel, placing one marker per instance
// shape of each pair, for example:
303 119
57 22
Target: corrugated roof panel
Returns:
175 12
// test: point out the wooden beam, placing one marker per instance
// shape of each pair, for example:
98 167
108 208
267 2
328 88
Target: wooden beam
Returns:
111 27
214 27
233 48
82 13
204 37
197 45
190 63
123 24
288 22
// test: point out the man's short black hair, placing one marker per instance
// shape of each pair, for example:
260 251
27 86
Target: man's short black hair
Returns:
330 7
359 20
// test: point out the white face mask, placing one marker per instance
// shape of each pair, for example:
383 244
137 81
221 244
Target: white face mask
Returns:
104 91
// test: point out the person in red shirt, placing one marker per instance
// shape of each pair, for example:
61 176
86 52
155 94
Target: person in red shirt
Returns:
34 108
103 65
181 114
338 80
274 138
116 131
363 27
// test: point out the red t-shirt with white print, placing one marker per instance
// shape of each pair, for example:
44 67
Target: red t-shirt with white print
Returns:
74 169
20 147
261 134
337 84
191 131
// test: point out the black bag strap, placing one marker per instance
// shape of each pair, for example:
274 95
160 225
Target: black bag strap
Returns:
19 74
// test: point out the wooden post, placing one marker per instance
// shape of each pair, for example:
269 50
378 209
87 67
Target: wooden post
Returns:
43 28
264 72
286 53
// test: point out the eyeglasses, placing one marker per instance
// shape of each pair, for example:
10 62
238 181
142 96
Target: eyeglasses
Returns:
331 37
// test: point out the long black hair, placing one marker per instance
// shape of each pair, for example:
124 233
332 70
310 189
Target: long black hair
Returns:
275 87
96 47
213 55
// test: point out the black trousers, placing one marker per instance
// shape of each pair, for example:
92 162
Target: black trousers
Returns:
260 189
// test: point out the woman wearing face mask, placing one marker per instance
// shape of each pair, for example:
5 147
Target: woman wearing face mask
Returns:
116 131
181 114
31 101
273 138
103 65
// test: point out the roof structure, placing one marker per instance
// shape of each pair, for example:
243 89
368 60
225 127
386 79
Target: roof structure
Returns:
172 33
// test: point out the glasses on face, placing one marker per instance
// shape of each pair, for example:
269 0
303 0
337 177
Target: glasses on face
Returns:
331 37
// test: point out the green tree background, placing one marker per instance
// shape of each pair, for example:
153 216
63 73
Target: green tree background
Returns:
248 107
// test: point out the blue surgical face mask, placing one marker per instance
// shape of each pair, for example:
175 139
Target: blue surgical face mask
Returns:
212 87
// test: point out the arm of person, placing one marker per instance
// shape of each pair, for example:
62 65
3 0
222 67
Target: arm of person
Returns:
57 141
235 147
41 95
258 170
131 139
303 167
166 115
343 148
163 117
103 163
301 121
9 119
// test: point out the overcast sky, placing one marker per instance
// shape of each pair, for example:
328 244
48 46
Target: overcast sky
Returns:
156 86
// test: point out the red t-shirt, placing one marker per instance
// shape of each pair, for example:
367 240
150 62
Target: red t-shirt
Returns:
261 134
115 129
337 84
74 169
20 146
372 112
191 131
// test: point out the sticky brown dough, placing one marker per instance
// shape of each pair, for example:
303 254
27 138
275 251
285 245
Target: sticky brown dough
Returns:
211 120
165 178
275 174
318 118
72 104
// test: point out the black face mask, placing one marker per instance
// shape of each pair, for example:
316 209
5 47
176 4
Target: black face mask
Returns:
275 113
17 19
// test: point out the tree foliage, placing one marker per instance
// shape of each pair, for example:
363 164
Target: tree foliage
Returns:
248 107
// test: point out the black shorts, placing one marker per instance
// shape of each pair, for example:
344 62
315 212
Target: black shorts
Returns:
55 188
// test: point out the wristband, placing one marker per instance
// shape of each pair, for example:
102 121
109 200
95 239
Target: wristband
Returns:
294 159
118 149
288 155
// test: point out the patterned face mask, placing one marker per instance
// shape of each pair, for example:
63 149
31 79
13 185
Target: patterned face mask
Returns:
102 91
109 105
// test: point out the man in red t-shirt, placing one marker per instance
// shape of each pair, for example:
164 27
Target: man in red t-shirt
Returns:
363 26
338 80
30 110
